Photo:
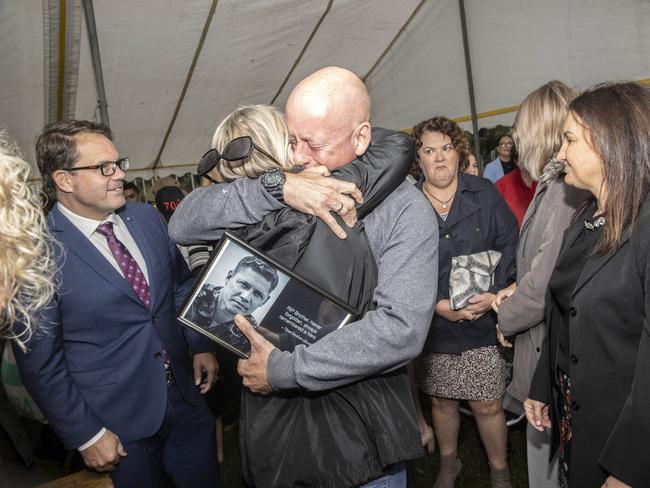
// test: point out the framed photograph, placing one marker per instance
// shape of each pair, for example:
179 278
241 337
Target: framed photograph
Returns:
282 306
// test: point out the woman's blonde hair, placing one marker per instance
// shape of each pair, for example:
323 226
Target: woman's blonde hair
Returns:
265 125
538 125
26 262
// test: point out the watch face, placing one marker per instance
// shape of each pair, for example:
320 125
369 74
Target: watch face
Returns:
272 178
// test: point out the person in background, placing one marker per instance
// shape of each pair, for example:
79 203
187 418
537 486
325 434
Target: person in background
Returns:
131 192
505 161
517 189
469 165
596 300
167 200
26 263
538 135
461 360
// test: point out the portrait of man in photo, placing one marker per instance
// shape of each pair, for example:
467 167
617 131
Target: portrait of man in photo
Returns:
247 287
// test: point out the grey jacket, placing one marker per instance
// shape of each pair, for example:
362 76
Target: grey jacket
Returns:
540 239
403 235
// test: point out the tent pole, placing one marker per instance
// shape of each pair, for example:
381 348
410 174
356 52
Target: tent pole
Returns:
470 85
89 13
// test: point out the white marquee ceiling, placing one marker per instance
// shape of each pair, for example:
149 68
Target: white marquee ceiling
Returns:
148 46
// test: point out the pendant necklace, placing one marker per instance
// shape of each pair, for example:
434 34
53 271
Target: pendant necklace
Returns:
444 203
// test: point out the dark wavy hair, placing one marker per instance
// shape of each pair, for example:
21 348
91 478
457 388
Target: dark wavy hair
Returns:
447 127
616 117
56 148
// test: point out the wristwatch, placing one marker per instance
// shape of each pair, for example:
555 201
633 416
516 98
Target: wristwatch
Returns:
273 182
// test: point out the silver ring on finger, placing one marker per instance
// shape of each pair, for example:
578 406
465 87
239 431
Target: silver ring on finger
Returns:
340 209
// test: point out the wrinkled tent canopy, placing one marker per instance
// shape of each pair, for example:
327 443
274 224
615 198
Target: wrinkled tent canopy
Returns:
172 69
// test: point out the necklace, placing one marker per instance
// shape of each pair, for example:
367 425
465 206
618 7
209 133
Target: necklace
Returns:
444 203
600 221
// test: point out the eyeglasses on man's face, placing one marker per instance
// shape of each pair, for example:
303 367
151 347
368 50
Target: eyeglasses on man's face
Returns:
107 168
505 144
237 150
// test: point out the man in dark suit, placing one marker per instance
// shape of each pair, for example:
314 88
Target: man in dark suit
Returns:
110 366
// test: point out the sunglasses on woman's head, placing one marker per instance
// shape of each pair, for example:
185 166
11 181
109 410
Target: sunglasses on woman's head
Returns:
237 150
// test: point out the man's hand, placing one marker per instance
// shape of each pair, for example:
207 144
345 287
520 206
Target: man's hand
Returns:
205 364
537 414
312 193
104 454
612 482
253 369
503 295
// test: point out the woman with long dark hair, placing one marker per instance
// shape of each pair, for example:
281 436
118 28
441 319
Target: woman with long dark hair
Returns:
595 303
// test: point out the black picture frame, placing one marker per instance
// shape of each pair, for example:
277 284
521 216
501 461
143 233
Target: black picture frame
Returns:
290 312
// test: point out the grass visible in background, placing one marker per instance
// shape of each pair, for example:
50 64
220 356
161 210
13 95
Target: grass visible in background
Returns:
475 472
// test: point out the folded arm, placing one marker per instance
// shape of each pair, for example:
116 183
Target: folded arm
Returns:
203 215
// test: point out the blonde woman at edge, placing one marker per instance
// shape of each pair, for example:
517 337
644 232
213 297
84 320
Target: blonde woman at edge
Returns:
538 136
26 266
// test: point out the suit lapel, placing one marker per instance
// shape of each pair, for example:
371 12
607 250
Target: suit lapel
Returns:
572 233
77 243
140 238
594 264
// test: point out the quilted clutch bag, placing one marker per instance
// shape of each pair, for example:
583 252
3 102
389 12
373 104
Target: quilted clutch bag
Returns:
471 274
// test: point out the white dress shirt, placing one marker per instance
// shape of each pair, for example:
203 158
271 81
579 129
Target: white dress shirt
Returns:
88 227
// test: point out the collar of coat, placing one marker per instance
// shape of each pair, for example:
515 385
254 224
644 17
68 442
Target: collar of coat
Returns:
464 205
465 183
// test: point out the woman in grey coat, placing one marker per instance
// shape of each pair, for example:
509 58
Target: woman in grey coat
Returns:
538 137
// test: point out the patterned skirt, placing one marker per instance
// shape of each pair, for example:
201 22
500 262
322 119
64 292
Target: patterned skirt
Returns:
477 374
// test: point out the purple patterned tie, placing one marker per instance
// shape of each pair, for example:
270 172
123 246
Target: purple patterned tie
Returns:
132 272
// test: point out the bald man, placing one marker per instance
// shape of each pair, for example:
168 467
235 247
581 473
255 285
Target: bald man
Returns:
327 115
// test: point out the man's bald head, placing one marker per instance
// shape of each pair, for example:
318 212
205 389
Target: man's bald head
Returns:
332 91
328 116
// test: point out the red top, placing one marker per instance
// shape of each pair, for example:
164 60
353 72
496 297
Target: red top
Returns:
516 194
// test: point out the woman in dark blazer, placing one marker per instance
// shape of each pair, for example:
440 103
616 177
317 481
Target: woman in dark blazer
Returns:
460 360
595 303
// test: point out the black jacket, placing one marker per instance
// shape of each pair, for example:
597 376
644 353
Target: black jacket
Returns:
479 220
606 321
347 436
